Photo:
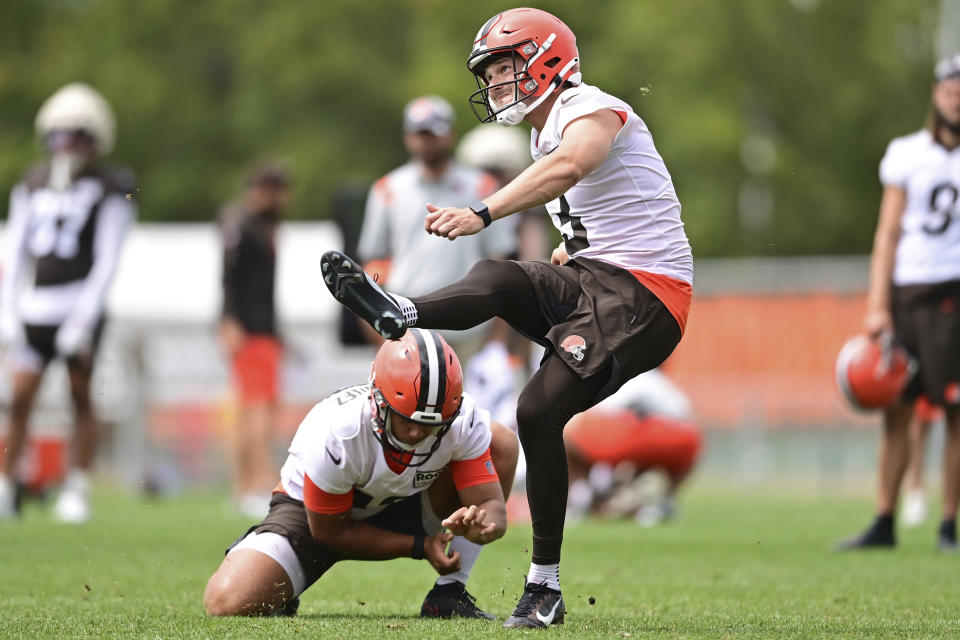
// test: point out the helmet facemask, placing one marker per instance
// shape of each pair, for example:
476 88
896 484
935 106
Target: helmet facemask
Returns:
400 452
544 69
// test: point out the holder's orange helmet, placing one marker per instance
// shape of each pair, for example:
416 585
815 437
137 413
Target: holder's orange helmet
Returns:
419 378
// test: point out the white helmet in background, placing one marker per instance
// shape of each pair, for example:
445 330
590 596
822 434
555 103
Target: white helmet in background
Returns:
494 147
79 106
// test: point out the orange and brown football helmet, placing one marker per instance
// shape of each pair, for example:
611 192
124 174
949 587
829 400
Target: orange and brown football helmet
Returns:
419 378
872 374
545 56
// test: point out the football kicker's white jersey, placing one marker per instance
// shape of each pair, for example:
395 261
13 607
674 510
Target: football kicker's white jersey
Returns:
929 248
626 211
336 447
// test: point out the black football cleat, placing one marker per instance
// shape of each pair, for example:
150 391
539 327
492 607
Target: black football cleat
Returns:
288 609
539 607
449 600
876 537
947 537
357 291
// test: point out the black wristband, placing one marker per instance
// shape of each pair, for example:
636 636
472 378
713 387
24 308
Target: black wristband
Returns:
481 210
418 553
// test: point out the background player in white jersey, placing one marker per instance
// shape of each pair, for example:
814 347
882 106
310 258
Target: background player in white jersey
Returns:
68 219
915 294
613 301
370 470
392 234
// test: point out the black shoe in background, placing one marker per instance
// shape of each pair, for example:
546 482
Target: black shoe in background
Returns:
878 536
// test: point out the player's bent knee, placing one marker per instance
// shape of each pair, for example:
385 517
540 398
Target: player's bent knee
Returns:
217 599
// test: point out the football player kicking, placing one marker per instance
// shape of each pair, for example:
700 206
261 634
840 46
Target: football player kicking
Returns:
369 470
614 299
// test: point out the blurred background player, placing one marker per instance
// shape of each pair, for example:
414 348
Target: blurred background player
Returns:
392 240
67 223
371 472
914 294
645 426
248 329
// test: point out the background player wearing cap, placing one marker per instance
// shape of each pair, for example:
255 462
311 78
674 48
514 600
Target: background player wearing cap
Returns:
248 329
392 231
370 470
68 220
915 294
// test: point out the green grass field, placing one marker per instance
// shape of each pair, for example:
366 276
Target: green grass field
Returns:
735 565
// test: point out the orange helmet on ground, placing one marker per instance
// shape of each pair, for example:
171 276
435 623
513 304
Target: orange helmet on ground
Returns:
544 45
871 374
419 378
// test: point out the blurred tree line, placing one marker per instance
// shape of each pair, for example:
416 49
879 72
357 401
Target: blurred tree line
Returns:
772 115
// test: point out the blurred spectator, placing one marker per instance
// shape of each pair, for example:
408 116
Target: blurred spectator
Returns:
67 223
914 294
393 242
248 329
645 426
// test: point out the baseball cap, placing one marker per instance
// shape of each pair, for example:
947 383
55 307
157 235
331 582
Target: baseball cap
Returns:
428 113
947 67
269 173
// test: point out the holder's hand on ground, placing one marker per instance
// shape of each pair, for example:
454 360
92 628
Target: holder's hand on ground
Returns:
452 222
435 550
470 522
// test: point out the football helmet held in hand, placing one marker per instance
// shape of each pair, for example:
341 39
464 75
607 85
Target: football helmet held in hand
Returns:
872 374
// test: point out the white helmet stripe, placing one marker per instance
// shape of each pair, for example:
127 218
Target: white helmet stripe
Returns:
432 370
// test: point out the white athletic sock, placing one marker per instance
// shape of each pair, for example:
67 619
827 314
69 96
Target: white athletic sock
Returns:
548 574
469 552
77 480
407 308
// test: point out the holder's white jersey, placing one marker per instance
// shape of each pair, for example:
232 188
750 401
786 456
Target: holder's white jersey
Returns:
336 447
626 212
929 248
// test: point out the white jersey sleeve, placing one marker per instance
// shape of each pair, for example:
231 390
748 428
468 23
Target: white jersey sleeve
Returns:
14 264
894 166
471 431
